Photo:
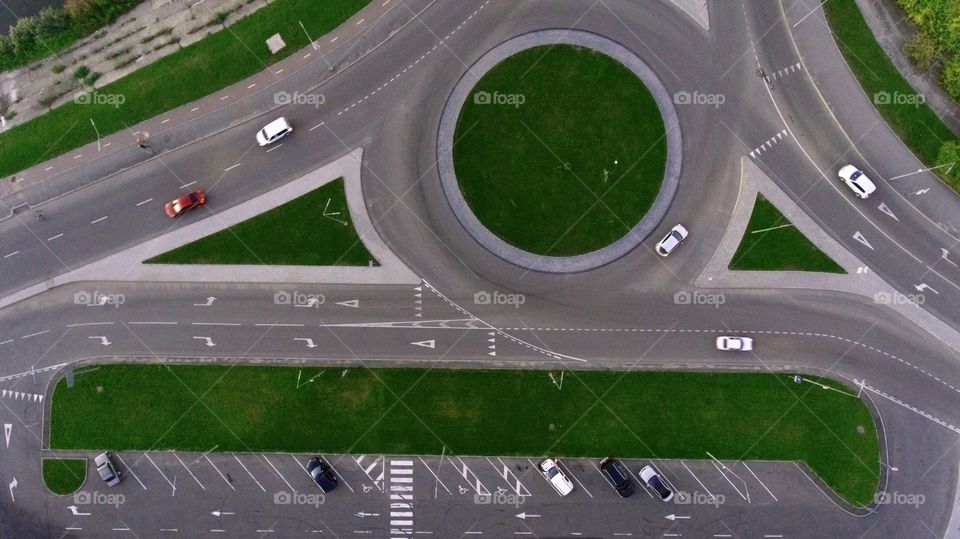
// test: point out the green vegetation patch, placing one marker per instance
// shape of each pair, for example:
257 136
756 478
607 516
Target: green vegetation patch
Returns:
560 150
917 125
311 230
772 243
64 476
491 412
190 73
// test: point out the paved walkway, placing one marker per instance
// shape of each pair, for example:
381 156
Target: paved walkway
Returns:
555 264
127 264
859 279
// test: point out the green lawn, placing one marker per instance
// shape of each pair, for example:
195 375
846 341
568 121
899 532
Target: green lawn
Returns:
203 68
295 233
64 476
492 412
572 168
918 126
772 243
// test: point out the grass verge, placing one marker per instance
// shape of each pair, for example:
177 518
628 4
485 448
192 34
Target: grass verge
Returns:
200 69
64 476
772 243
311 230
492 412
560 150
917 125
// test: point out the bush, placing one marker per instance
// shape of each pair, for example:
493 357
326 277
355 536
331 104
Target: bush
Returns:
922 50
58 68
950 153
81 72
91 78
951 77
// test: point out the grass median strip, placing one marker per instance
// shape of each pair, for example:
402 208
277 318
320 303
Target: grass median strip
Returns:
311 230
200 69
491 412
64 476
772 243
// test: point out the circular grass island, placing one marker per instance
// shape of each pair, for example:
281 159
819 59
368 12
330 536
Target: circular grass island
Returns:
559 150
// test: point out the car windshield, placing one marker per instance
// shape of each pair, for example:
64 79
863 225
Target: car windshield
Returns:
552 472
658 486
193 197
105 472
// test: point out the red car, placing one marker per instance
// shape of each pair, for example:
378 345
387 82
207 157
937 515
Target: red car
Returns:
180 205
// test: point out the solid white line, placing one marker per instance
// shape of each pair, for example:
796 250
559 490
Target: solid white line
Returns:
73 529
279 325
152 323
560 463
728 480
250 474
278 472
51 238
169 529
316 126
184 186
7 341
35 334
189 472
219 472
215 324
129 469
698 480
11 254
340 475
164 121
401 463
142 202
231 168
90 324
95 221
161 472
808 14
435 476
759 481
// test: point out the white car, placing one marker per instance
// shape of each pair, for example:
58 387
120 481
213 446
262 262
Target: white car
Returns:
857 181
734 344
274 131
672 240
107 470
652 479
560 483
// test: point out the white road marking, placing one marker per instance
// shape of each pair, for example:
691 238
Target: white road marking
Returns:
7 341
561 464
129 469
35 334
698 480
231 168
51 238
215 324
164 121
46 170
15 253
187 468
82 324
274 148
278 473
224 97
360 22
142 202
316 126
759 481
435 475
219 472
250 474
275 325
152 323
342 480
173 486
95 221
251 86
194 109
184 186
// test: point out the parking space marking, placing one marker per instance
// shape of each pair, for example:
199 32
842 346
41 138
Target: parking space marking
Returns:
340 475
759 481
698 480
250 474
561 464
371 470
229 484
643 485
722 468
278 473
185 467
172 485
129 469
510 478
435 476
467 473
670 484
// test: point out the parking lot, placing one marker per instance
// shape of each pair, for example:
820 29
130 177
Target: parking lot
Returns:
254 494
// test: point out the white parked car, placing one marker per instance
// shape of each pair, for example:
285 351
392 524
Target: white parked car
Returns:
107 470
672 240
550 470
652 479
734 344
274 131
857 181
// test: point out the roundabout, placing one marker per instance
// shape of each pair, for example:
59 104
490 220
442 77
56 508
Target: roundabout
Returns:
566 196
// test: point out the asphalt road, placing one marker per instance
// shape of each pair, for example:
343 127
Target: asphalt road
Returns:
619 316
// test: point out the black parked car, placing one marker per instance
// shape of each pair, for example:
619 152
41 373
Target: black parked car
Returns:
322 474
618 476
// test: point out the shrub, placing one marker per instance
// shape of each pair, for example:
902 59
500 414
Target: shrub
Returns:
58 68
950 153
91 78
951 77
922 50
220 18
81 72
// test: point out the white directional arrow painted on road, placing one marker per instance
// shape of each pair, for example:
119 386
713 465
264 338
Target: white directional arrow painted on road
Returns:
103 340
921 192
362 514
923 287
525 515
218 513
859 237
7 430
306 340
76 512
13 485
946 254
207 340
209 302
355 303
883 207
432 343
676 517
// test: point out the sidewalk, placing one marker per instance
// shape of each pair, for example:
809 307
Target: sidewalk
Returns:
860 121
367 30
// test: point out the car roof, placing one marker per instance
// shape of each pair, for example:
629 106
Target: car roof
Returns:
275 126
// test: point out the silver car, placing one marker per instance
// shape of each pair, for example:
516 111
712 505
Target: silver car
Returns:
672 240
107 469
857 181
